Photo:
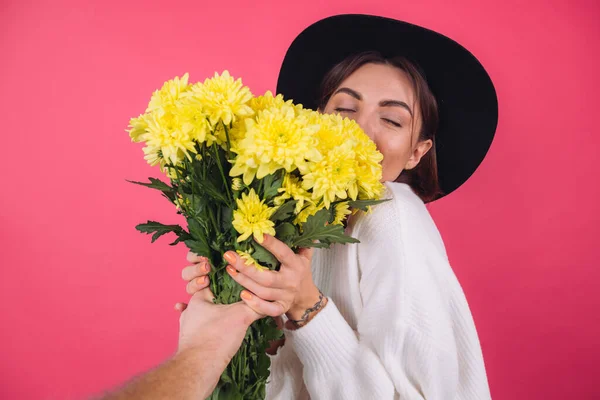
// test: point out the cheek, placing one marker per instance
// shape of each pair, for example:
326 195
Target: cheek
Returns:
396 152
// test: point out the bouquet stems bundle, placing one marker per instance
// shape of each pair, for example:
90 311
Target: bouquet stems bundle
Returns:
239 167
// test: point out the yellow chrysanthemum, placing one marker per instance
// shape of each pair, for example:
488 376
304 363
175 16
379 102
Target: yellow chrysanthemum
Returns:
171 126
166 139
277 139
331 132
303 215
291 188
252 217
341 211
368 161
236 184
223 98
169 93
237 132
261 103
249 260
193 122
138 126
266 101
182 203
333 177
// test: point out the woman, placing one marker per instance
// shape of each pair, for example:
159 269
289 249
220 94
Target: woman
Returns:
394 322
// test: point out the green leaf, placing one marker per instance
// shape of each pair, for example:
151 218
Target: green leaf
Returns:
206 187
286 232
225 377
198 242
167 190
284 211
159 229
316 229
263 256
209 184
154 184
271 184
363 204
200 248
198 203
226 216
179 239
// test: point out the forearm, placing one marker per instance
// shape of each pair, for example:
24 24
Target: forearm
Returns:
191 374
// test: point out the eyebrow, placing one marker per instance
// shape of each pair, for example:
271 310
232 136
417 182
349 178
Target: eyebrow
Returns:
383 103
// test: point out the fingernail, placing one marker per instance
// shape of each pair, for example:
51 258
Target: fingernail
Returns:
205 267
229 257
245 295
231 270
201 280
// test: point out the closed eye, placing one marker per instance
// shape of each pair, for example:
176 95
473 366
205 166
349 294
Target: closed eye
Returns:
389 121
342 110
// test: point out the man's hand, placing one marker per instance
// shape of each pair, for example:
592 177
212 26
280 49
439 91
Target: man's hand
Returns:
209 336
216 330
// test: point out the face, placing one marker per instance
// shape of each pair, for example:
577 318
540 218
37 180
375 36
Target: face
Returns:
380 99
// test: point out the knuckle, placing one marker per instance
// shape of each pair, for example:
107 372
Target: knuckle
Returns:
199 268
276 311
240 264
268 279
283 307
248 317
190 288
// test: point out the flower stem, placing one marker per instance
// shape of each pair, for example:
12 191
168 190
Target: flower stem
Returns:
228 142
220 166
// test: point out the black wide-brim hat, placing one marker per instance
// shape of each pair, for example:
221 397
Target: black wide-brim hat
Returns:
467 102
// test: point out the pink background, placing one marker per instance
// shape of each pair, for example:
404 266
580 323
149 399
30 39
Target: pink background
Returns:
86 301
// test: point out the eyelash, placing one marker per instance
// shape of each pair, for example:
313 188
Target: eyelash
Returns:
389 121
397 125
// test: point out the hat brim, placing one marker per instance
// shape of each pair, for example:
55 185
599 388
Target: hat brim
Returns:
467 102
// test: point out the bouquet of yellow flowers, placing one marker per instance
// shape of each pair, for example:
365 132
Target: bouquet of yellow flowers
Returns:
241 166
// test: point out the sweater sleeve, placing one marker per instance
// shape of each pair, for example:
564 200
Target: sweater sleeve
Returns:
285 380
391 355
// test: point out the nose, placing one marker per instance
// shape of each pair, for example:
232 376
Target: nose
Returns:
367 123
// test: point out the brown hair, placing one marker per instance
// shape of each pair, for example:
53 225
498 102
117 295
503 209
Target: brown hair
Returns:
423 178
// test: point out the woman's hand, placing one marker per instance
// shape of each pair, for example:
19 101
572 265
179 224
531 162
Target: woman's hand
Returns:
196 274
289 291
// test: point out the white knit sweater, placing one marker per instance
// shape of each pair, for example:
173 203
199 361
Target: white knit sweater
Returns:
397 325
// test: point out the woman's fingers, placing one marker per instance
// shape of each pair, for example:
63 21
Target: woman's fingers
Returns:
262 307
197 284
195 258
180 307
264 292
280 250
265 278
195 271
